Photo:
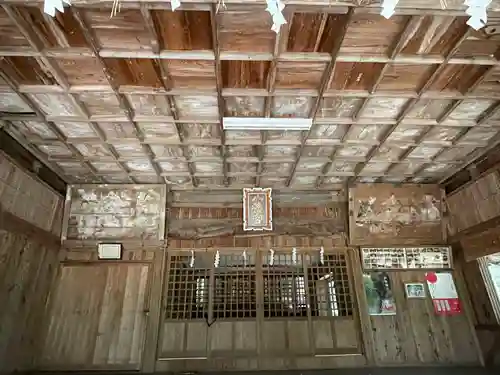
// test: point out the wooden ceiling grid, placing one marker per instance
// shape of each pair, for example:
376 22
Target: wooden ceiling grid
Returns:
140 97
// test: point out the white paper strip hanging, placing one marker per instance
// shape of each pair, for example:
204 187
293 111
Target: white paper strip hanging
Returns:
294 256
191 262
275 9
50 6
217 259
271 257
388 8
322 255
175 4
477 10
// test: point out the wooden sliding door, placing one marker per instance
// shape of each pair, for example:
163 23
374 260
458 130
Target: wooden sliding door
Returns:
97 317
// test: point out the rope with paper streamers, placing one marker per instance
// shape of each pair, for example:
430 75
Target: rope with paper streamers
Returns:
476 10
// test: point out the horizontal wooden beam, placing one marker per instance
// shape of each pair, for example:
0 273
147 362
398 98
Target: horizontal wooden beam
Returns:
11 223
476 229
30 162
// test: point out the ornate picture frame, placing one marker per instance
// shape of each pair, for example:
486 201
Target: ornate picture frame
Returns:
257 209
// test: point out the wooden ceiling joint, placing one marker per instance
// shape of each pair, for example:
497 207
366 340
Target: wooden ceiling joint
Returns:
280 42
325 81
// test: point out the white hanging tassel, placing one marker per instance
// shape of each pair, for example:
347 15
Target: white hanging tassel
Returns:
476 9
294 256
50 6
191 262
275 9
220 3
244 258
175 4
388 8
271 257
322 255
217 259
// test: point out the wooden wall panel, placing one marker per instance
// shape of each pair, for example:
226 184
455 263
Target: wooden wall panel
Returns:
97 317
416 336
28 198
384 214
27 270
29 257
475 203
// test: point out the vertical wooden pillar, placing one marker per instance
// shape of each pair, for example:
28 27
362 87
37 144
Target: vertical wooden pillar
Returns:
362 307
155 303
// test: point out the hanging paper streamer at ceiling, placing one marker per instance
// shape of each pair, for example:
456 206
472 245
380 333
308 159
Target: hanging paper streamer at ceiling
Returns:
175 4
50 6
388 8
275 9
476 9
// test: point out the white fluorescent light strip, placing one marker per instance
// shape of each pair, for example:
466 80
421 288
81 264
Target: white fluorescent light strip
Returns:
260 123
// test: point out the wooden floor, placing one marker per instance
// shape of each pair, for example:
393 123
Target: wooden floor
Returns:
444 370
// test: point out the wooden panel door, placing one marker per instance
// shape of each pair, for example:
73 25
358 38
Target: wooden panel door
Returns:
97 317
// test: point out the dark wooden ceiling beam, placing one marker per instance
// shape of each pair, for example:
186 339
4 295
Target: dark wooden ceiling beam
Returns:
31 160
219 83
325 81
280 45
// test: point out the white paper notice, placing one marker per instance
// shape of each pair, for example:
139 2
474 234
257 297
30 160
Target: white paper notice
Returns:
444 287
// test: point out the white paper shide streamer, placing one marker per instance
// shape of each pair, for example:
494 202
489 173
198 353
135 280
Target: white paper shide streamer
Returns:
476 9
388 8
50 6
271 257
322 255
275 9
217 259
175 4
294 256
245 257
191 261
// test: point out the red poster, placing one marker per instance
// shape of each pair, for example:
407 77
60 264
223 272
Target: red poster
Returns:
446 306
443 293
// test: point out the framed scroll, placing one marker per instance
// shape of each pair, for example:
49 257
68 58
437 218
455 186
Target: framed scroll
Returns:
257 209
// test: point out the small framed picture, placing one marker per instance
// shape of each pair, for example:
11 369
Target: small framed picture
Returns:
415 290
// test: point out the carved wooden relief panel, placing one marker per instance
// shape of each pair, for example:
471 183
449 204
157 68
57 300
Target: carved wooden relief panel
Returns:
384 214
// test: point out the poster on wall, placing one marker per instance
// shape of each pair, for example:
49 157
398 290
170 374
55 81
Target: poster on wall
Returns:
379 295
443 293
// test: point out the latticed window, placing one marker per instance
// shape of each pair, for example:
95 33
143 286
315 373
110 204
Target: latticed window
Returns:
329 287
234 294
187 290
294 285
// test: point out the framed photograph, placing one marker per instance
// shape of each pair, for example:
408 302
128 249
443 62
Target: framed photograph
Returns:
415 290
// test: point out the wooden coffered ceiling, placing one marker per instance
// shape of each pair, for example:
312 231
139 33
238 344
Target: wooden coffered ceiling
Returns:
139 97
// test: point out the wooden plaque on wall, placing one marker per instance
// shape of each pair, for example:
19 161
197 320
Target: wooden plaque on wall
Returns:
384 214
257 209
